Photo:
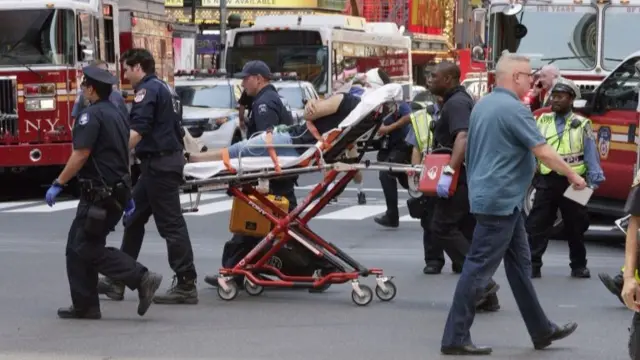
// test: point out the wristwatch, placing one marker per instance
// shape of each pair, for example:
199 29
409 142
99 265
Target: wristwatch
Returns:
448 170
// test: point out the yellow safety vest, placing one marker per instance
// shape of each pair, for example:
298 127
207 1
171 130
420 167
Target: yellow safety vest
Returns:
421 122
571 146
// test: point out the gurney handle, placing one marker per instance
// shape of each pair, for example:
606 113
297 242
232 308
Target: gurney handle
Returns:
190 210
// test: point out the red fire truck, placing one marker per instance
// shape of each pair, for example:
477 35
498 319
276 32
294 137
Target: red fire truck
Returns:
44 45
586 41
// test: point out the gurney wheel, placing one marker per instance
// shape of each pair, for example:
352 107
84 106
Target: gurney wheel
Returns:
252 289
389 294
365 299
229 294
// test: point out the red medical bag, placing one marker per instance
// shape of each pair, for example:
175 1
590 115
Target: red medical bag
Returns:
433 165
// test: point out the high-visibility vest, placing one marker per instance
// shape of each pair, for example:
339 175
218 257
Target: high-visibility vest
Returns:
571 144
421 122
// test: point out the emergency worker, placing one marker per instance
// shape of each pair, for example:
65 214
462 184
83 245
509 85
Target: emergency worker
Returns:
267 113
393 149
156 134
572 137
420 137
451 221
100 159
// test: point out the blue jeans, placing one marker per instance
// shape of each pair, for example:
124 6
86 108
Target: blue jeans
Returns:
257 146
495 238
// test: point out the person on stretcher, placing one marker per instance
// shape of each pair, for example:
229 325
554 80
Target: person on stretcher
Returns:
321 116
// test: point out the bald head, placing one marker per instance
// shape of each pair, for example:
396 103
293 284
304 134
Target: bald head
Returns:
548 75
445 77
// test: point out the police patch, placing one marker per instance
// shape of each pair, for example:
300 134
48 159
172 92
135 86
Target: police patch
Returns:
140 95
604 141
262 109
84 119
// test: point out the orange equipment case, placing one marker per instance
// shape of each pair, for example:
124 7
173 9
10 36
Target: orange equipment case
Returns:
431 172
248 221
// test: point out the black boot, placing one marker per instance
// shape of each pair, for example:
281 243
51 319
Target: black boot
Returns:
581 273
182 291
387 221
614 285
92 313
490 305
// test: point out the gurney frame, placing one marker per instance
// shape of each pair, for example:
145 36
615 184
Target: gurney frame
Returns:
293 225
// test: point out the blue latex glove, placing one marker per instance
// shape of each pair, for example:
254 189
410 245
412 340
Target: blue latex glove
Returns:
443 185
128 211
52 193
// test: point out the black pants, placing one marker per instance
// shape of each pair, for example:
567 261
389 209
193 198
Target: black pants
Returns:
157 193
634 337
549 198
433 251
448 223
389 181
87 256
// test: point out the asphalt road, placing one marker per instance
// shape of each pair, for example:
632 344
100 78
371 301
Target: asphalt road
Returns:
282 325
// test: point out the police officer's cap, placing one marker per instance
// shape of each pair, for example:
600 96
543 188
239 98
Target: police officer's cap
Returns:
255 67
99 75
566 86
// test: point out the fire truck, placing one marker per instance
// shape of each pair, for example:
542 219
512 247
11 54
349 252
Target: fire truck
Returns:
43 46
587 41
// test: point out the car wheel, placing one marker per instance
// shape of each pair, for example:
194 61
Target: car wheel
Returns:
528 204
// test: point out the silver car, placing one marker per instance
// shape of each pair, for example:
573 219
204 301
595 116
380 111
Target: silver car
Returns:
210 109
296 94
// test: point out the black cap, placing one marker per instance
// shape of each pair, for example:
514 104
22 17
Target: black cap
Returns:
254 67
99 75
563 88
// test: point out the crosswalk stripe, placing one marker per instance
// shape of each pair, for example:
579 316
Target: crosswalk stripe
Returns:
13 204
212 208
44 208
359 212
408 218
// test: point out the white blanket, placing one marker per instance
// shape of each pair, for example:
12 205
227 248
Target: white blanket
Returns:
370 101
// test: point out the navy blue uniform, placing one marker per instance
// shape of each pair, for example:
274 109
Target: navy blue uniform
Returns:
101 128
156 115
267 111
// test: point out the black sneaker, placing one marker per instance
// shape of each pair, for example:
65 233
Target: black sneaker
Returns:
148 286
581 273
182 291
112 289
73 313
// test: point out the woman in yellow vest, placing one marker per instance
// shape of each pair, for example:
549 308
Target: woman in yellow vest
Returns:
572 137
631 289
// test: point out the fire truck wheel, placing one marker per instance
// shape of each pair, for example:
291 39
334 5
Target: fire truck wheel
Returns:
528 204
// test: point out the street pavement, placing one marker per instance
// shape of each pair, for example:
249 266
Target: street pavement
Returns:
283 325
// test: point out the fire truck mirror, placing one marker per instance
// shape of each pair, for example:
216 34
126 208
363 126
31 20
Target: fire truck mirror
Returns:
477 53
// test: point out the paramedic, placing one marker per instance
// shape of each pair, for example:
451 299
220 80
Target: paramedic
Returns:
542 87
393 149
100 159
422 122
115 97
631 290
501 126
572 137
156 134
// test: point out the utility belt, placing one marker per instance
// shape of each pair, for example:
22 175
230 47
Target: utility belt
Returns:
103 198
156 154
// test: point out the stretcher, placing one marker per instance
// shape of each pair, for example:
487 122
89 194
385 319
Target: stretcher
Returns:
335 156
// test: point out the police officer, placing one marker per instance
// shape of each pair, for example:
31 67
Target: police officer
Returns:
100 159
572 137
393 149
266 113
156 134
